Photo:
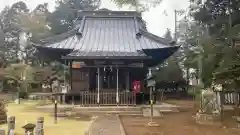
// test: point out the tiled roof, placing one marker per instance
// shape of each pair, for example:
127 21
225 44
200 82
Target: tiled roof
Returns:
109 35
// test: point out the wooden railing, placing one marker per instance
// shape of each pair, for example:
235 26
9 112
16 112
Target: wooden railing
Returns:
105 98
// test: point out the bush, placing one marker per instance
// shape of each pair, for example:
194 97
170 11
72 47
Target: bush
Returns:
195 91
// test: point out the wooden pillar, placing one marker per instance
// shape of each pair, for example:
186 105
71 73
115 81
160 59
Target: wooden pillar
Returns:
127 80
101 74
59 98
98 85
117 94
64 98
73 100
65 62
70 75
89 78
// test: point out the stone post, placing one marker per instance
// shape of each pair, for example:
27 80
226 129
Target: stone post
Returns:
209 110
11 124
11 132
2 132
39 126
64 99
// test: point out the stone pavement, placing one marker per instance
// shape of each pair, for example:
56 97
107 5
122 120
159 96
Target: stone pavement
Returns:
106 125
147 112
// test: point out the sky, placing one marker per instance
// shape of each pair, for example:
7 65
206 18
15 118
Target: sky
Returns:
158 18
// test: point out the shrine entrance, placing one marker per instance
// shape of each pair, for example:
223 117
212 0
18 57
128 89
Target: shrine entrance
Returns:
108 78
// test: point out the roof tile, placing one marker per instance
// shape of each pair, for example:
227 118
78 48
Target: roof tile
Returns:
110 36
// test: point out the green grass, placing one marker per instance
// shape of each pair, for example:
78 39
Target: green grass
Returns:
26 113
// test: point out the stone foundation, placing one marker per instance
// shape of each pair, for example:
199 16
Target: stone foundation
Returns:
207 119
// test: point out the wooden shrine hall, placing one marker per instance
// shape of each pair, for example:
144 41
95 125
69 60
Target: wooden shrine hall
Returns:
109 53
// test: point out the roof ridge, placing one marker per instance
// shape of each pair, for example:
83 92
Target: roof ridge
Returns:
81 28
137 28
108 13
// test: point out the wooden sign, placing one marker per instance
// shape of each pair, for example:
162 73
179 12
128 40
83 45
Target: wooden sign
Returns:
76 65
151 83
64 89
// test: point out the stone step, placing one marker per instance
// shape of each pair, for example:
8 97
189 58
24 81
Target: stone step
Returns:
107 108
163 108
168 111
147 112
114 112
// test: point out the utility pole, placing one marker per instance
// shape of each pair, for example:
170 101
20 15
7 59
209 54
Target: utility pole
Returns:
176 13
175 25
230 24
200 69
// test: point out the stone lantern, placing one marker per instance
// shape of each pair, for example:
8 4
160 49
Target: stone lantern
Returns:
29 128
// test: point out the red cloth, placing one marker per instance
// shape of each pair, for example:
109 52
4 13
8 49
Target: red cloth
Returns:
136 87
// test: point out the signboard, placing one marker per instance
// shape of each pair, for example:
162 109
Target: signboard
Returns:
77 64
64 89
151 83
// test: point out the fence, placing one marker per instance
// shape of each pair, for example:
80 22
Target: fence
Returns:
173 93
229 97
105 98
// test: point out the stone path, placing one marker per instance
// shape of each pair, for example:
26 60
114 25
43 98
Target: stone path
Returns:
106 125
147 112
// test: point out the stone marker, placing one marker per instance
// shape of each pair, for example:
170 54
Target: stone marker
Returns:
11 132
209 108
39 126
2 132
11 123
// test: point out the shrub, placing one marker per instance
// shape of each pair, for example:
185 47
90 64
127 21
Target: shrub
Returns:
195 91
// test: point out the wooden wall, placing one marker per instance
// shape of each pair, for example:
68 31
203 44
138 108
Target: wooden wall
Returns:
84 78
79 79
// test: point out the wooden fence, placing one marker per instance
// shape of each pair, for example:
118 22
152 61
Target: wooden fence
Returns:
229 97
105 98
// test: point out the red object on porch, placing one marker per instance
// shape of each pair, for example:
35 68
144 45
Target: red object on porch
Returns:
136 87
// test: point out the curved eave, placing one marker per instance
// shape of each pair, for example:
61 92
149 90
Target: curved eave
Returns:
107 57
160 54
42 48
52 53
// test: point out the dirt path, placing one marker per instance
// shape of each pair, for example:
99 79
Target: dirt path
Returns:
180 123
106 125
